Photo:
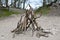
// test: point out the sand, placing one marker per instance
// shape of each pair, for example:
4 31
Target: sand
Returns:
46 22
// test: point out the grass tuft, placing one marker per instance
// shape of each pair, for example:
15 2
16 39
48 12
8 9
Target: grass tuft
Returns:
6 12
44 10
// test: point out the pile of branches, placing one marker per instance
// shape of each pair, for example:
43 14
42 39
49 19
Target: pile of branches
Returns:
29 19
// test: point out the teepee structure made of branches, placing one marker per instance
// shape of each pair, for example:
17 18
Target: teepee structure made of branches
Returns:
28 20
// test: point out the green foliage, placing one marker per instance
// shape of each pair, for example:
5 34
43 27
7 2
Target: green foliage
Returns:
44 10
6 12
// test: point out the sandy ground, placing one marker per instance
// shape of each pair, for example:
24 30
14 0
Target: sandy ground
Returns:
46 22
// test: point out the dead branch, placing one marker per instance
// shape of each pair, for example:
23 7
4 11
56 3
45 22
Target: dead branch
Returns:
23 26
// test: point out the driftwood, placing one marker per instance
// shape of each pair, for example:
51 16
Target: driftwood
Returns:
23 26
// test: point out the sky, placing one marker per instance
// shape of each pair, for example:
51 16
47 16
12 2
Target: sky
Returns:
34 3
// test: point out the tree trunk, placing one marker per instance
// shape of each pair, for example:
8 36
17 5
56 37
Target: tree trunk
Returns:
0 2
11 3
24 4
44 3
15 3
18 3
6 3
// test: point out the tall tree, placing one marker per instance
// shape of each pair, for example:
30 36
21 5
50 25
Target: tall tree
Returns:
15 3
0 1
44 2
24 3
48 1
18 3
11 3
6 3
